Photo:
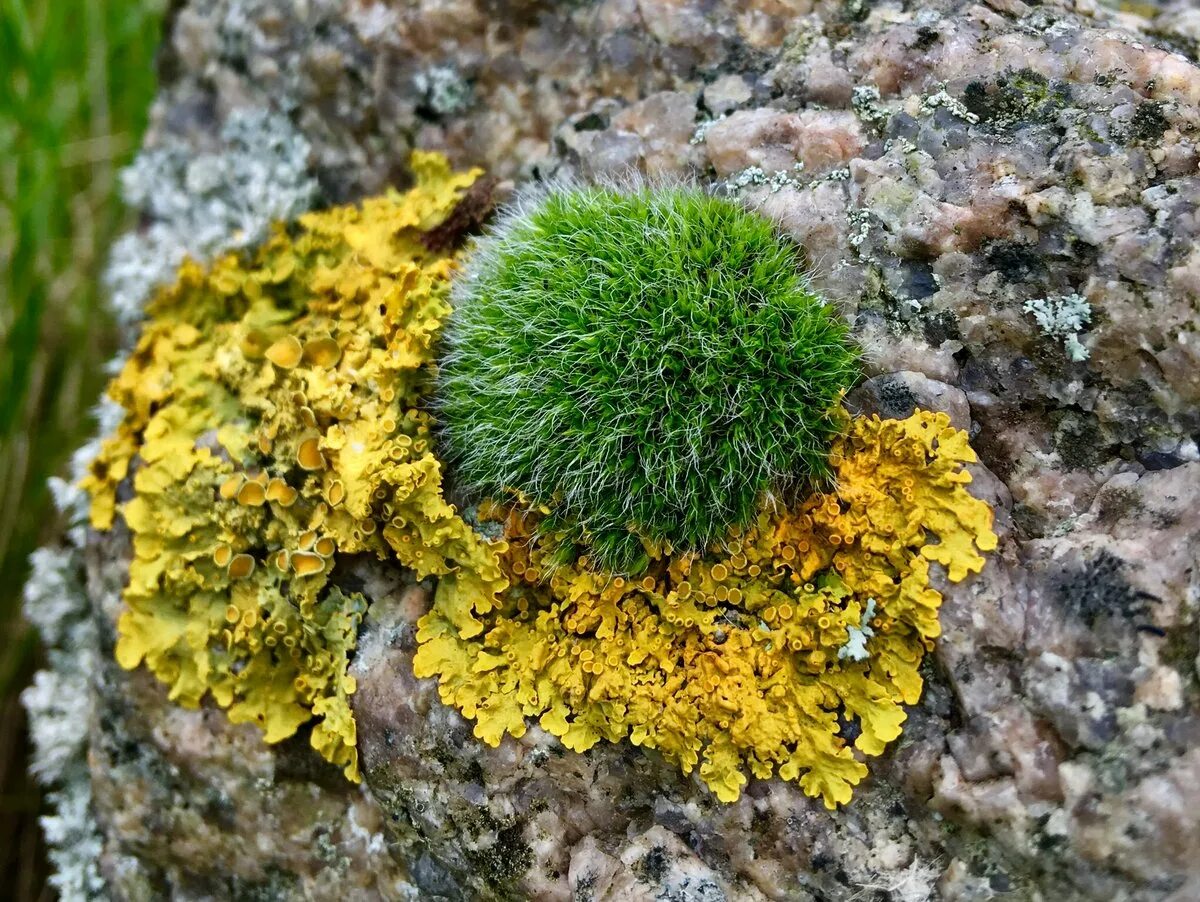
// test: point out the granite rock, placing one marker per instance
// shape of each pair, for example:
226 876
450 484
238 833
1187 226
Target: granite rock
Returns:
1004 197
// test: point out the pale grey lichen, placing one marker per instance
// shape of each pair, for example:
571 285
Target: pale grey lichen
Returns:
700 135
62 713
865 100
943 100
751 176
199 205
856 636
1063 318
902 144
860 223
755 176
59 702
75 842
59 706
53 594
444 90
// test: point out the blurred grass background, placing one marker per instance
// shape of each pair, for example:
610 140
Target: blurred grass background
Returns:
76 81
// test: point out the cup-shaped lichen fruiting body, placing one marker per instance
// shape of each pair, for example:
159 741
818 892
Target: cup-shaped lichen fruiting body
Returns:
647 363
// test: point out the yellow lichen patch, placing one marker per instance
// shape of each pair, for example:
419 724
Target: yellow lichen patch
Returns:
757 657
272 424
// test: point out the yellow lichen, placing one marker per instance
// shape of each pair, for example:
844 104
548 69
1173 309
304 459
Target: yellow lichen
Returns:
272 423
753 657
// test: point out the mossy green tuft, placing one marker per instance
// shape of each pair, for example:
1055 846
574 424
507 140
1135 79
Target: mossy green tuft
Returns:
648 364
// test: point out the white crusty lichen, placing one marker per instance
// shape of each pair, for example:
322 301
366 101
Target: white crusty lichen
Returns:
199 205
700 135
75 842
754 176
943 100
865 100
59 702
859 221
856 636
444 90
53 595
59 705
1063 318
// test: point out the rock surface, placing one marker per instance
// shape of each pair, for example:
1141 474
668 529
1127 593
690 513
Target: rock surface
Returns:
1005 197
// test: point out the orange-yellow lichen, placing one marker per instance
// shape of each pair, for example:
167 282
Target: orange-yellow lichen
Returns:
272 421
751 658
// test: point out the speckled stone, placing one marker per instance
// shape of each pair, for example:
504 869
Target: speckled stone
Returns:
193 807
945 167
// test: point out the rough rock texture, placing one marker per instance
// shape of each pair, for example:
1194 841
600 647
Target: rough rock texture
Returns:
193 806
1005 196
